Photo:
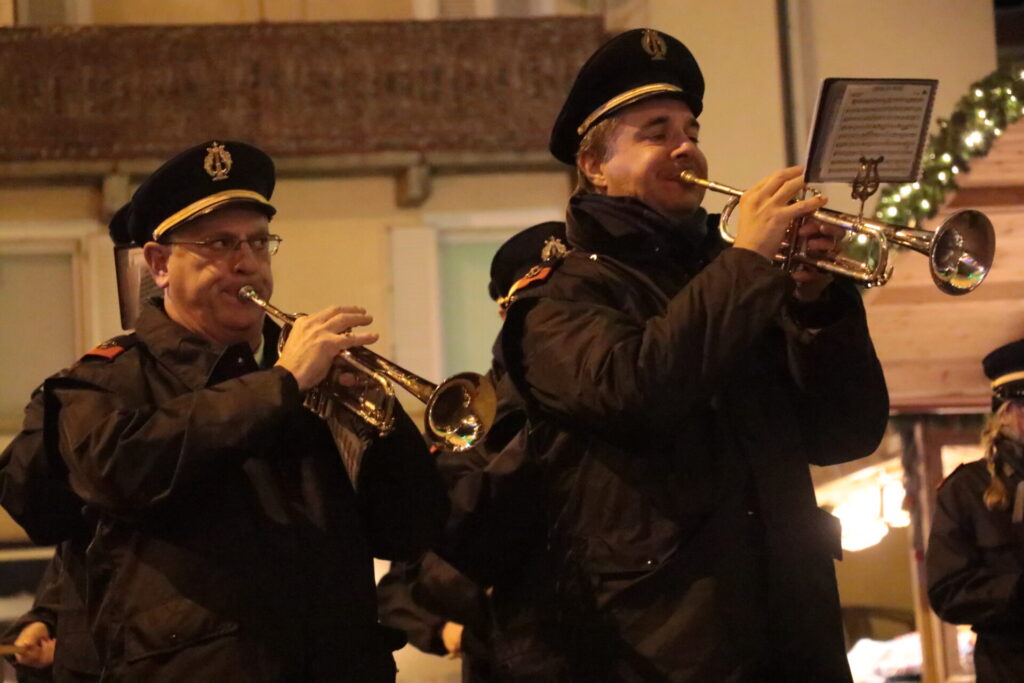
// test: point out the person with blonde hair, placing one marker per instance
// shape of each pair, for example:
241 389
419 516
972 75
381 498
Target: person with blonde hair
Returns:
975 557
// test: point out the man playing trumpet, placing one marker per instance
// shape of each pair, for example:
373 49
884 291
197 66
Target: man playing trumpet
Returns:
234 529
676 392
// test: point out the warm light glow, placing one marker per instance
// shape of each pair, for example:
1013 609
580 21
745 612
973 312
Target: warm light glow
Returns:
917 186
905 190
862 238
892 211
973 139
955 169
982 113
998 132
942 176
860 516
946 157
861 534
978 93
925 204
892 505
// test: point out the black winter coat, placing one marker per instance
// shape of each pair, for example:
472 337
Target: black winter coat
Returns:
975 568
230 544
676 398
59 605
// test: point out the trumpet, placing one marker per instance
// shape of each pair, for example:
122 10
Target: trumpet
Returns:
960 252
459 411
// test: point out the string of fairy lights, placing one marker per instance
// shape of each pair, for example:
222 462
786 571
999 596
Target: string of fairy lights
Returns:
978 119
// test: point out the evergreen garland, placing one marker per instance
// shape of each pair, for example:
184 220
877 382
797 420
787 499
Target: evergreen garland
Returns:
978 119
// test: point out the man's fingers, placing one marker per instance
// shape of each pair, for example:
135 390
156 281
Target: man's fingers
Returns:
332 312
344 322
338 320
803 207
785 182
349 339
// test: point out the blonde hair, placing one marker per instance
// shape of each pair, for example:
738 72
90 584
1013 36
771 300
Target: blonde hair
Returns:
594 144
997 495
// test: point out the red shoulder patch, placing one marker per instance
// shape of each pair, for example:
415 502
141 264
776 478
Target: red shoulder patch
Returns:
108 349
536 274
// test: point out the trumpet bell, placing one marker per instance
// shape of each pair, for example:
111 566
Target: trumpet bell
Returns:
461 410
962 252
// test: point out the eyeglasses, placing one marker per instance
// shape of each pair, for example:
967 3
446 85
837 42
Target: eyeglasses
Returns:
219 247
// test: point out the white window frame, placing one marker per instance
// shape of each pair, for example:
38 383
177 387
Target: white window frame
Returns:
81 240
416 276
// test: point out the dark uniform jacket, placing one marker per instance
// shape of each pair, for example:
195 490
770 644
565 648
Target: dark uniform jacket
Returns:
59 605
675 402
229 542
975 565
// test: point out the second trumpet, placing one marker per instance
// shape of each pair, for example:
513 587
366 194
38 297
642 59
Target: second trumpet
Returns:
960 252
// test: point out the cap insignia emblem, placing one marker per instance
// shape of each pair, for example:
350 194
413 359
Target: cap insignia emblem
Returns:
653 44
553 249
217 162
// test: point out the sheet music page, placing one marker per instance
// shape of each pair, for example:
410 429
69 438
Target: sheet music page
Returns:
870 118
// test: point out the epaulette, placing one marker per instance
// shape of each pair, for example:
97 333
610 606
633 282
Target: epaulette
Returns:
112 348
536 274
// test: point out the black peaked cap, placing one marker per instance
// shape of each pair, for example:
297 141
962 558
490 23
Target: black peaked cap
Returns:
632 66
200 180
1005 368
519 253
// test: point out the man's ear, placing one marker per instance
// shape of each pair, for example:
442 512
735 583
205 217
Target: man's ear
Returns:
156 256
593 168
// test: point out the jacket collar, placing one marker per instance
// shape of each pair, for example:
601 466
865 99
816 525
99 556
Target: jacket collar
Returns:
625 225
193 359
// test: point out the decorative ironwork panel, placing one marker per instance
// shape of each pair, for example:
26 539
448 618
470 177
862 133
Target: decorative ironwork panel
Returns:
296 89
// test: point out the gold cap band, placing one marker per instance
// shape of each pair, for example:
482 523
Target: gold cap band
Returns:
206 205
1006 379
628 97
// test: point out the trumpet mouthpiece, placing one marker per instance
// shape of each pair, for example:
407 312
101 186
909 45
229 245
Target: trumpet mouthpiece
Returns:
247 292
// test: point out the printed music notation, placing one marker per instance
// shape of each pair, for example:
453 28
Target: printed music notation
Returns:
870 118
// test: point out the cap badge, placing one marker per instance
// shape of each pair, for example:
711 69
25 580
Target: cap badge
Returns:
553 249
217 162
653 44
